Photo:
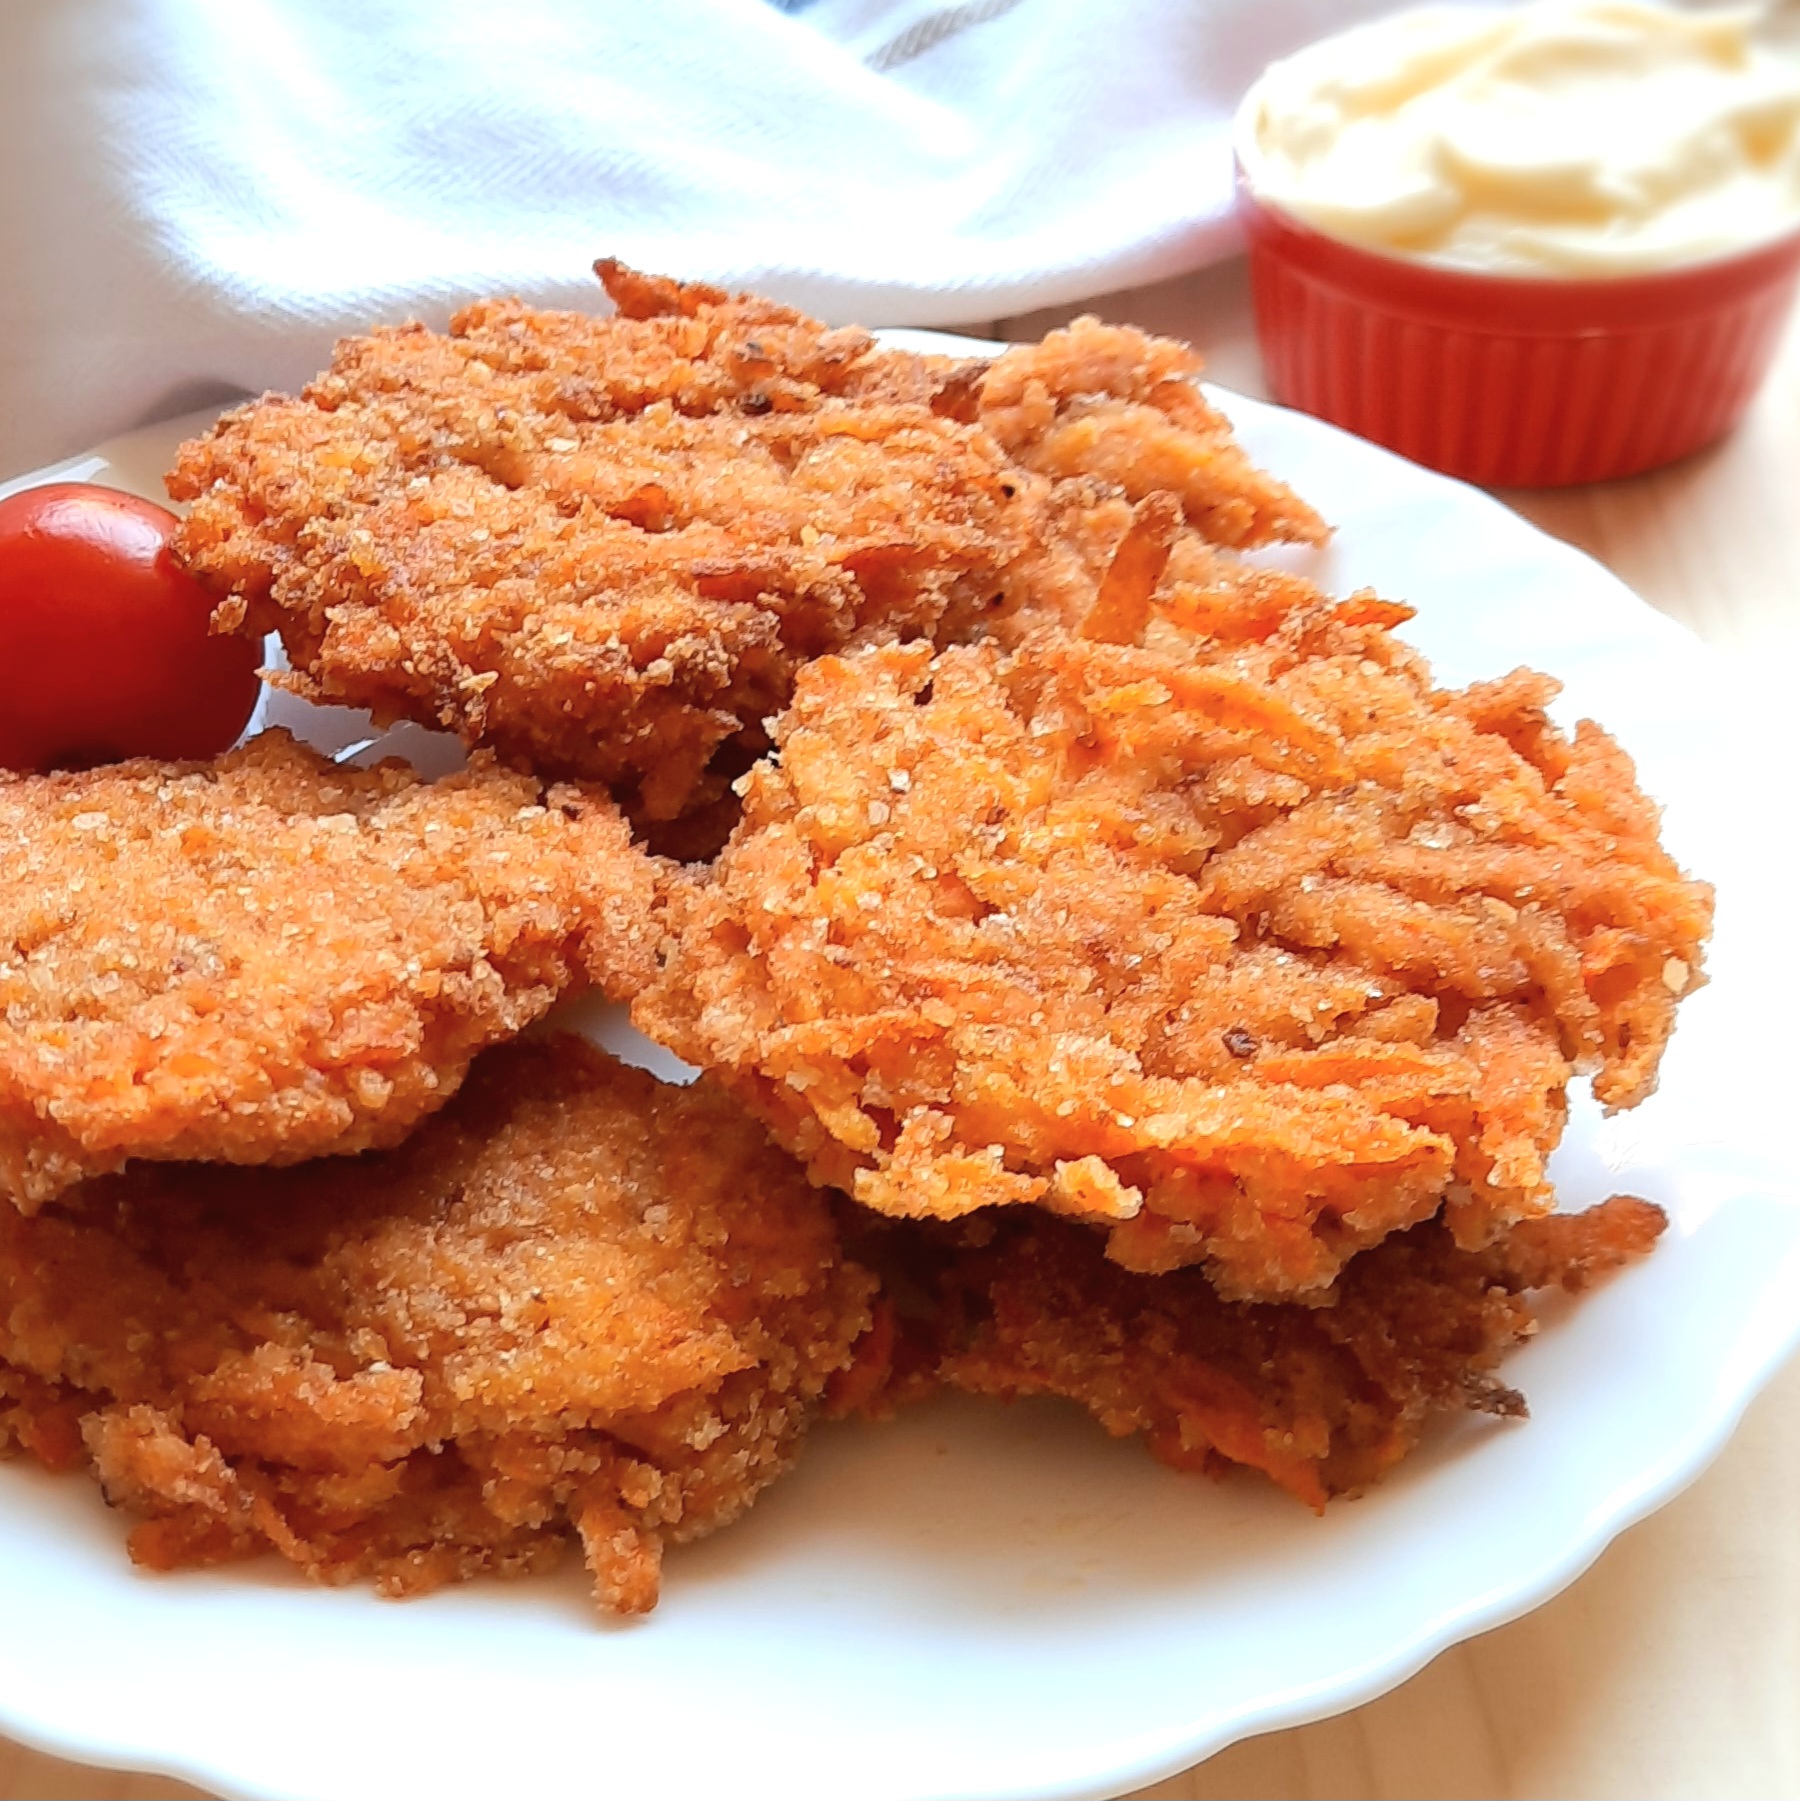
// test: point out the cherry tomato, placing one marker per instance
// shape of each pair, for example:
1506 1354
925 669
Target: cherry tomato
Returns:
106 649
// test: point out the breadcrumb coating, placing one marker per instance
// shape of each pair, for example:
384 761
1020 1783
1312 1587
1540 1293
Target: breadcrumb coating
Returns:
577 1305
604 546
273 957
1252 951
1322 1399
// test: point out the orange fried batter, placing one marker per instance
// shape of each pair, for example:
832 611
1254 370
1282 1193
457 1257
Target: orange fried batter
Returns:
273 957
1252 950
603 546
1322 1399
578 1304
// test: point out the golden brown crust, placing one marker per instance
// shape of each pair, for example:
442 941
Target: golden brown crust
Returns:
274 957
1254 948
1323 1399
577 1304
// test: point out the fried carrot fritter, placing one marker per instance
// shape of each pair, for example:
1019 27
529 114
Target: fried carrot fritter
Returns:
1323 1399
599 544
273 957
1251 952
577 1305
603 546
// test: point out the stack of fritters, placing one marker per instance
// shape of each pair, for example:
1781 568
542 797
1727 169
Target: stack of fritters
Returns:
1179 988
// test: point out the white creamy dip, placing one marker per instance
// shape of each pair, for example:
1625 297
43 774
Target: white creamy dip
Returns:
1560 138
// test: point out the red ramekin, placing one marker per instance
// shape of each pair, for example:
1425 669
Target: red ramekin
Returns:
1508 380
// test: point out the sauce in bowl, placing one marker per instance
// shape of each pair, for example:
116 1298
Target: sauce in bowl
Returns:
1560 139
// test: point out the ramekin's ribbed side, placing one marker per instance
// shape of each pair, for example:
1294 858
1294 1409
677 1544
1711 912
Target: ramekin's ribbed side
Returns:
1504 408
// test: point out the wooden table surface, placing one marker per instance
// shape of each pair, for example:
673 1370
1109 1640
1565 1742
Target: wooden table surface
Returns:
1672 1668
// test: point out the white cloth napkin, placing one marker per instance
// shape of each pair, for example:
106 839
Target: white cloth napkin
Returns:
199 195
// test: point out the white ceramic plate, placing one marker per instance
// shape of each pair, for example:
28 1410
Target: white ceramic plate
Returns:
988 1604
